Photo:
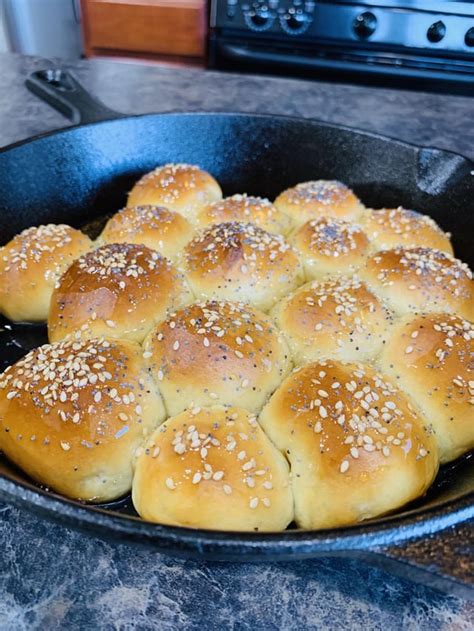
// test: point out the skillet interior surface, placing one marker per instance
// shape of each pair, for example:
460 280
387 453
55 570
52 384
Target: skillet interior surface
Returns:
83 173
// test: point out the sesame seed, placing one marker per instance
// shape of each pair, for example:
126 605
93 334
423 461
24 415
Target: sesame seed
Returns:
196 478
170 484
344 466
227 489
253 502
180 448
65 446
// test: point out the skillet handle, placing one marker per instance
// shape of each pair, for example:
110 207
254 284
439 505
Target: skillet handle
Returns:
62 90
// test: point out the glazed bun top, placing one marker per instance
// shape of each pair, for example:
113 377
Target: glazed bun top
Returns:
160 229
337 317
356 446
30 265
241 262
217 352
319 198
246 208
415 280
330 246
120 290
432 358
398 227
184 188
213 468
73 413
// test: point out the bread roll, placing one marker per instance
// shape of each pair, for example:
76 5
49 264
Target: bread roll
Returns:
30 265
335 318
217 352
414 280
432 359
184 188
119 290
319 198
213 468
241 262
156 227
246 208
329 246
356 447
73 413
397 227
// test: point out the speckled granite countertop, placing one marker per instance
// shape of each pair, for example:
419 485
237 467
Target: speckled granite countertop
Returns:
55 578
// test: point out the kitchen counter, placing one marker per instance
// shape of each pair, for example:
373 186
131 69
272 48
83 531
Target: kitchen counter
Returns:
52 577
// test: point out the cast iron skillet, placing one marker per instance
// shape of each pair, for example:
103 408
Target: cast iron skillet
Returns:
80 173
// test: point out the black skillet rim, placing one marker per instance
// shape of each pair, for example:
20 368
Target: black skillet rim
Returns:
391 530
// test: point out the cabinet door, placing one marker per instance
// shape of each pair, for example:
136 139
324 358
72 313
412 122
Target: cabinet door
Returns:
164 27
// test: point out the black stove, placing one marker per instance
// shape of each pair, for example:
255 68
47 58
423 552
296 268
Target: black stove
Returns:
409 43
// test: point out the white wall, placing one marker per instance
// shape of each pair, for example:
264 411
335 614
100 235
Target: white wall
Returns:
3 36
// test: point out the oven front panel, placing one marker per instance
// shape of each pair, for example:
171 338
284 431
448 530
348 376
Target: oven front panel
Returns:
401 38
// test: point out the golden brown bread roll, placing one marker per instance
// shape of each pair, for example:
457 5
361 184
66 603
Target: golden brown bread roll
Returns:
73 413
217 352
356 448
30 265
213 468
432 359
158 228
257 210
241 262
335 318
319 198
398 227
330 246
184 188
119 290
415 280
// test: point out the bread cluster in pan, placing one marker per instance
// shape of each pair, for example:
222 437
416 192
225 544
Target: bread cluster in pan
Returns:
240 364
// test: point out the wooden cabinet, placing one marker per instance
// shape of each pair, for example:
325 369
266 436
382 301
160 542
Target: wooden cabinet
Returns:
163 29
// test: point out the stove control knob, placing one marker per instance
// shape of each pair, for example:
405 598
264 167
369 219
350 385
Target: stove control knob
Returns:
365 24
259 19
469 39
436 32
295 21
